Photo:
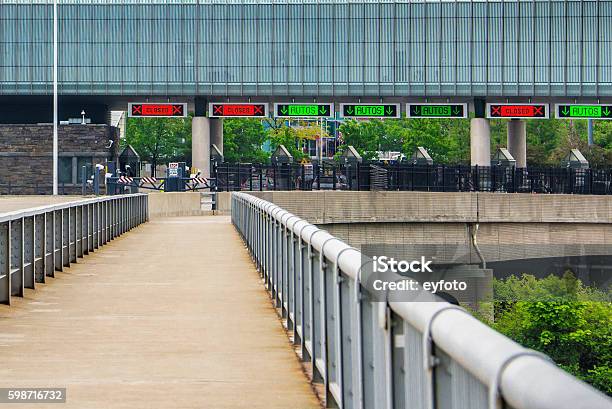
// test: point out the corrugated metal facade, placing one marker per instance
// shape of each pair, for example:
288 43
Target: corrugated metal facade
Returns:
309 47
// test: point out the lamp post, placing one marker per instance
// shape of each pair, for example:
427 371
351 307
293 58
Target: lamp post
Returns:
55 143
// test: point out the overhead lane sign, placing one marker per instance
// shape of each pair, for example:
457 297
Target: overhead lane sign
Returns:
370 110
584 111
517 111
304 110
431 110
244 110
145 109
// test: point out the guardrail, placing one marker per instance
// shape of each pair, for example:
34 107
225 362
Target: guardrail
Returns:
372 354
36 242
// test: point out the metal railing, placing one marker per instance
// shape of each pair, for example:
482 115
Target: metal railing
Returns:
36 242
405 176
373 354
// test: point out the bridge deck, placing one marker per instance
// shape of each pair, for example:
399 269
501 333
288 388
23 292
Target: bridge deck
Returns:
170 315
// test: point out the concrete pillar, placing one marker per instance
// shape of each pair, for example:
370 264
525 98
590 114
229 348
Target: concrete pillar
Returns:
216 132
200 144
480 142
517 141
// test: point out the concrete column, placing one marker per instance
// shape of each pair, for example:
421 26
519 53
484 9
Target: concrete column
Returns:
517 141
480 142
200 144
216 132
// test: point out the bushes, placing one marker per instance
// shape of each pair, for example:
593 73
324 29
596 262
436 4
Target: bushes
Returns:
562 318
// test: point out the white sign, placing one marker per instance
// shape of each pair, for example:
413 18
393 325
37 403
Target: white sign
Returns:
173 165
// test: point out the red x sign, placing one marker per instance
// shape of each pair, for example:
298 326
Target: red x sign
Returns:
157 110
238 110
517 110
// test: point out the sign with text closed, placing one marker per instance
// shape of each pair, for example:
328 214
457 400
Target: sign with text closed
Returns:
517 111
157 110
237 110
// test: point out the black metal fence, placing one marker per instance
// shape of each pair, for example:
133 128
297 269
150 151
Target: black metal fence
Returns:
400 176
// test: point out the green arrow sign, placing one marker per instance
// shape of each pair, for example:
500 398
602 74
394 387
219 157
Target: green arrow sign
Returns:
437 110
583 111
370 110
303 110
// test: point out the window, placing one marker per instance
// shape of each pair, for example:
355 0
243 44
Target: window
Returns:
65 170
81 161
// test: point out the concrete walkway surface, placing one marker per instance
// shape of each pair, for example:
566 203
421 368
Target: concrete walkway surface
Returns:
171 315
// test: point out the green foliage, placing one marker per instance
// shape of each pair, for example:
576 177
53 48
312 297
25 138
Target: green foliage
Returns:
243 139
290 137
562 318
364 136
448 140
160 140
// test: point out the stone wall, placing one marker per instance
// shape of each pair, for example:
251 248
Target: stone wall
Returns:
26 163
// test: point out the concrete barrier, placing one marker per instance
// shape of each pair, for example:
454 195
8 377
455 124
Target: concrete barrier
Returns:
224 203
172 204
324 207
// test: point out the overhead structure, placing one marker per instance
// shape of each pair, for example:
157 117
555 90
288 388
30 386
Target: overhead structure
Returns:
298 48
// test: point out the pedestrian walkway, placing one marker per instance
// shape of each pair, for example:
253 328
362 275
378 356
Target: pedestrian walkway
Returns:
171 315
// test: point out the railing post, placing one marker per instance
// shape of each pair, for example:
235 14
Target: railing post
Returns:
5 263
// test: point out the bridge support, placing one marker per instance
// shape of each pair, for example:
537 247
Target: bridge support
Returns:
517 141
204 132
480 142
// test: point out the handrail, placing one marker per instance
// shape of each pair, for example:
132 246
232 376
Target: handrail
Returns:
370 353
35 242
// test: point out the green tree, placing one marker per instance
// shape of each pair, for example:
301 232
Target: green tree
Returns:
434 135
292 138
363 136
562 318
160 140
243 139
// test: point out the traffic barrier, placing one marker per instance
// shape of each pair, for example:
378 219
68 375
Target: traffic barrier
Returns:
125 180
36 242
147 179
384 353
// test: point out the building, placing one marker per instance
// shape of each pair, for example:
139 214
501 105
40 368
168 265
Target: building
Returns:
26 161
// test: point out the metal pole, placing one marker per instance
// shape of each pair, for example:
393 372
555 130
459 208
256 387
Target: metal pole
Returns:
55 143
321 143
590 123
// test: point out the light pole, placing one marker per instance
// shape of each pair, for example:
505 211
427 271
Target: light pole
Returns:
55 144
